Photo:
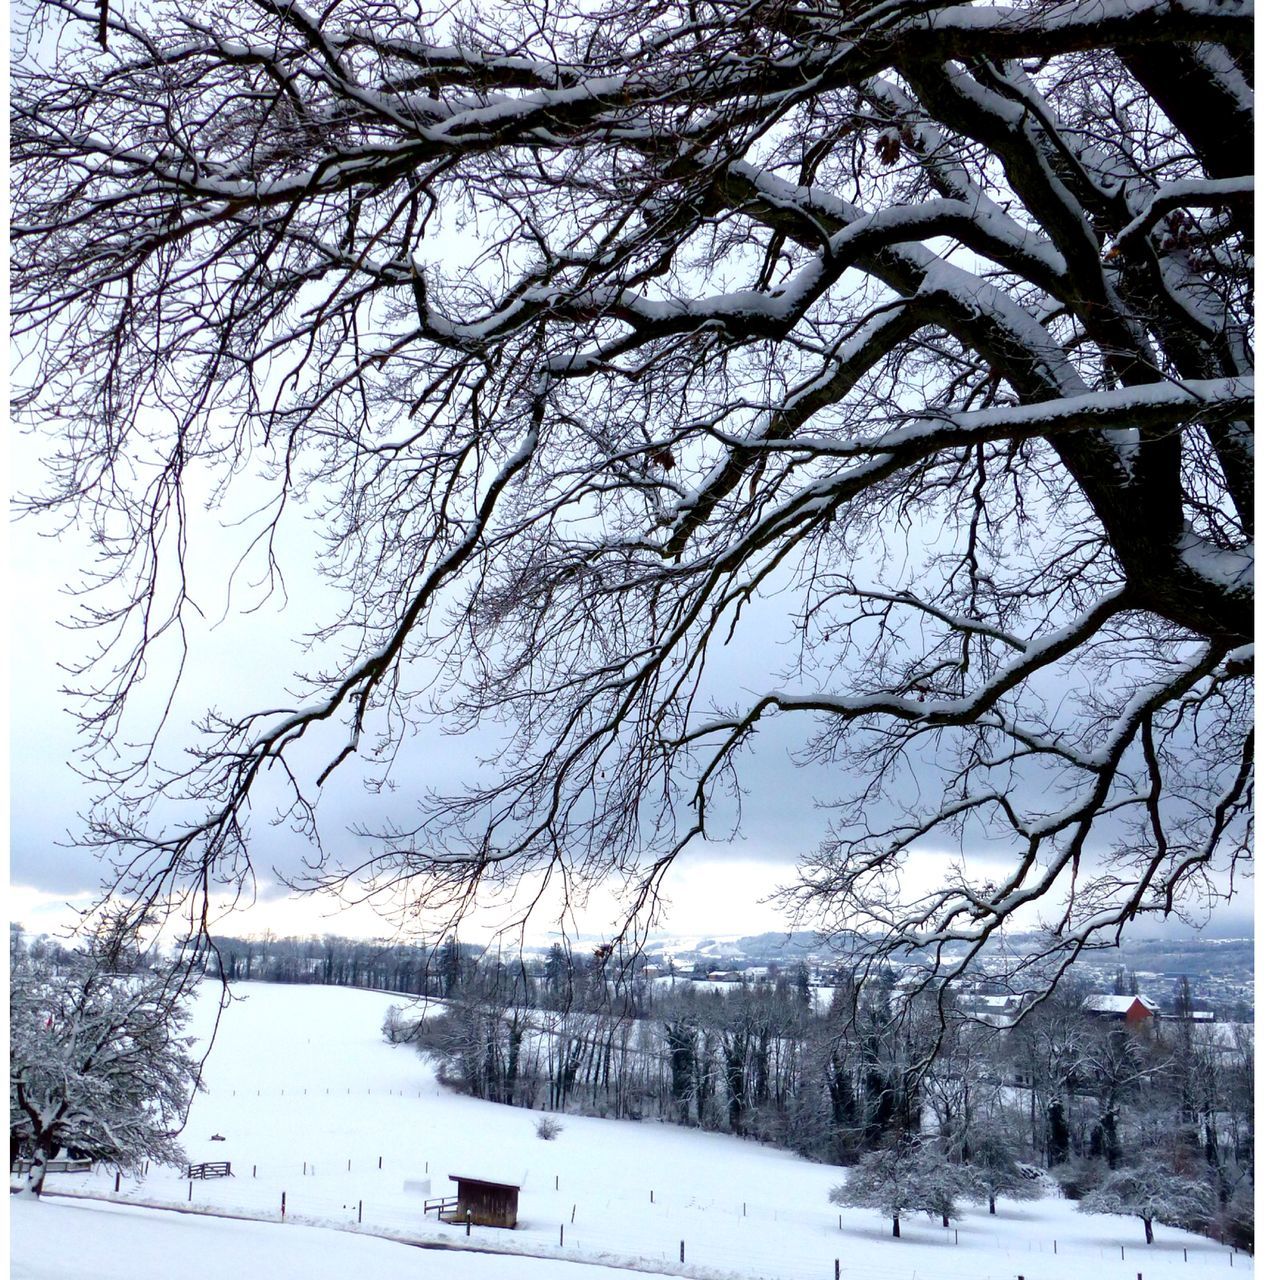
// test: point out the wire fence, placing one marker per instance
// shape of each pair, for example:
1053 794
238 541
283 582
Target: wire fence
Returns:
692 1235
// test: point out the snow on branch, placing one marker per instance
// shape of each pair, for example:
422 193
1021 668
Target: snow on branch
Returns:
639 378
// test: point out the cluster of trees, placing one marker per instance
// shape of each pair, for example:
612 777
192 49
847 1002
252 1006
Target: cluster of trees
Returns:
99 1061
864 1074
915 1176
918 1176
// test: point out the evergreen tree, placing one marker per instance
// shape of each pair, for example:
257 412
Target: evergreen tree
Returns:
1058 1145
804 988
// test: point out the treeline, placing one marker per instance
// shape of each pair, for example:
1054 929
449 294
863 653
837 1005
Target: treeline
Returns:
412 969
863 1072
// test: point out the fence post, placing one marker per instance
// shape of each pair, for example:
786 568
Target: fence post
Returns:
282 1206
359 1210
682 1251
840 1219
573 1215
562 1235
117 1181
190 1184
468 1222
1122 1253
379 1162
837 1269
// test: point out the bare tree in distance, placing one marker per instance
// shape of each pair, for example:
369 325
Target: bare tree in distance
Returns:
930 322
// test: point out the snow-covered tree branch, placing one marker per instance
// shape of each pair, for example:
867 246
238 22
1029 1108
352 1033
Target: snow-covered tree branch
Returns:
934 320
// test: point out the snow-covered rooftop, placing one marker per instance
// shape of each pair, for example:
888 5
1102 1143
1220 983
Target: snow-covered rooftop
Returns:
1117 1004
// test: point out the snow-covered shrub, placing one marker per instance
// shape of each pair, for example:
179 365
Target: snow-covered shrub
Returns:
396 1030
1080 1176
1233 1223
548 1128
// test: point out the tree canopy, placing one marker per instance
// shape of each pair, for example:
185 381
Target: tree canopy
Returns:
1153 1191
593 337
911 1177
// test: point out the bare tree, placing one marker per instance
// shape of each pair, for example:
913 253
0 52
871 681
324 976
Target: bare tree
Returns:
931 321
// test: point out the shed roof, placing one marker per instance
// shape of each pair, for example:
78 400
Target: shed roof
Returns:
484 1182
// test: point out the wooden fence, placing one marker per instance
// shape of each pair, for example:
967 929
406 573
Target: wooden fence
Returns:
440 1207
54 1166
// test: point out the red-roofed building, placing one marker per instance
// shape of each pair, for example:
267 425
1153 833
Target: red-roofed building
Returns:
1133 1011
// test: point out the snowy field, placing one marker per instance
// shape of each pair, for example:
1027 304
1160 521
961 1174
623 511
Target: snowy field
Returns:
314 1106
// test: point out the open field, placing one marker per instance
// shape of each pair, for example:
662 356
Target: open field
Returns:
314 1106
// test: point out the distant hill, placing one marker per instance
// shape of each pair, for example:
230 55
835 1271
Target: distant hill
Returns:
763 947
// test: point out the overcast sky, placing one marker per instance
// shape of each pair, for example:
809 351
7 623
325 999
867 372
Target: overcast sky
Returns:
715 890
241 663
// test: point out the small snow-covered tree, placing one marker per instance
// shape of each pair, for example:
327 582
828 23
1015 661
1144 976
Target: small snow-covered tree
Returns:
914 1177
942 1186
98 1061
1153 1192
994 1170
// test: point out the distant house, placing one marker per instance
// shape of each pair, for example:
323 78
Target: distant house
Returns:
993 1010
1192 1015
490 1204
1133 1011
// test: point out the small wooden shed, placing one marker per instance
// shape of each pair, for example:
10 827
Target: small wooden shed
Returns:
492 1204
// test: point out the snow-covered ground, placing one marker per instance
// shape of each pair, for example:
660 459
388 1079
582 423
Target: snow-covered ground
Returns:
70 1240
315 1106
